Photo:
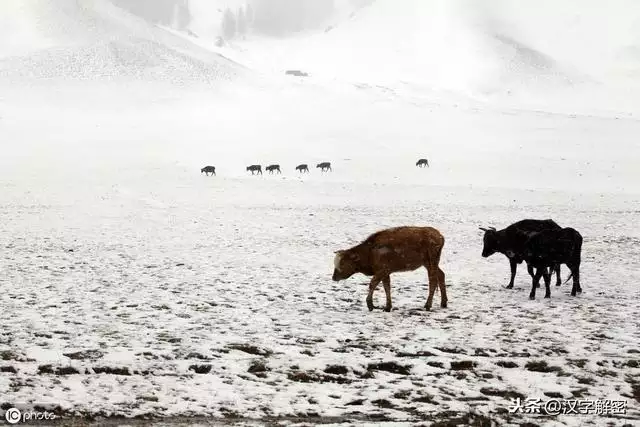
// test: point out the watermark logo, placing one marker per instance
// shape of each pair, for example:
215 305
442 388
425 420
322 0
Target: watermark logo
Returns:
15 416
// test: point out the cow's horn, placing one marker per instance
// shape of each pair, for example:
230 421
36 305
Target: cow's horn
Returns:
483 229
492 228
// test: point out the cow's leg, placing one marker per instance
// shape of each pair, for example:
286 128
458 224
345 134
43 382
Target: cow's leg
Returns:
575 271
514 266
375 280
433 284
386 283
556 269
547 281
531 272
443 289
546 275
536 279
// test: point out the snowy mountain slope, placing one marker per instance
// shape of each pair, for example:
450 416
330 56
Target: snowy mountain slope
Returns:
545 55
94 39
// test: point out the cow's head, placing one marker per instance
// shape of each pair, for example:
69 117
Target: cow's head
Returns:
491 241
345 265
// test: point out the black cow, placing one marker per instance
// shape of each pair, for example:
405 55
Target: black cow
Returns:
303 168
255 168
550 248
272 168
510 242
422 162
208 169
324 166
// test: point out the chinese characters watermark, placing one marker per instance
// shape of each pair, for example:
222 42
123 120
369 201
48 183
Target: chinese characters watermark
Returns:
568 407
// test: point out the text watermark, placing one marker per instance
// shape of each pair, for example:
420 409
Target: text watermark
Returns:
15 416
568 406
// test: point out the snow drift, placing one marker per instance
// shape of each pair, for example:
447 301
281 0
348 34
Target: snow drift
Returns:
95 39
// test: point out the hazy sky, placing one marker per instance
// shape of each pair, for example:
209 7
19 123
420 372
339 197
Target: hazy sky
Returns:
278 17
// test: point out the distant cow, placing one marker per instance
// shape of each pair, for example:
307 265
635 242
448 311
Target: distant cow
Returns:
255 168
208 169
422 162
510 242
394 250
324 166
303 168
554 247
272 168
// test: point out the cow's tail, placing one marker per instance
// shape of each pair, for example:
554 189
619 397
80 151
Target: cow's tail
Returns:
570 276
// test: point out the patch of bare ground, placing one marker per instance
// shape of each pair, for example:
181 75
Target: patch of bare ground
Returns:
251 349
541 366
316 377
392 367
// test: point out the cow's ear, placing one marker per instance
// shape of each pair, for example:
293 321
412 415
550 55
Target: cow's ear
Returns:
354 256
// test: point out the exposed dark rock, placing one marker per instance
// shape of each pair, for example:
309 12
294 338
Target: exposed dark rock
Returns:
462 365
200 369
392 367
84 355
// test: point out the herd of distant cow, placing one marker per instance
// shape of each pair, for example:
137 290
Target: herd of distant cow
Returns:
302 168
542 244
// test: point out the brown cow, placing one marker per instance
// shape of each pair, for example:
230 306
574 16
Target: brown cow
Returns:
394 250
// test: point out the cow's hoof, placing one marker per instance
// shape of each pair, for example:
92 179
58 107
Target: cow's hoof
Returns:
547 296
443 305
573 294
509 287
532 297
387 309
426 307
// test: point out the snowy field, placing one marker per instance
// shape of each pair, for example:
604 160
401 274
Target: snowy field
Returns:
135 286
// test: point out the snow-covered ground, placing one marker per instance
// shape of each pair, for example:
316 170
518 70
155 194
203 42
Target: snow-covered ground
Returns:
134 285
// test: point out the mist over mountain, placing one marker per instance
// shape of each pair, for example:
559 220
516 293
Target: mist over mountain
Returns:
494 48
97 40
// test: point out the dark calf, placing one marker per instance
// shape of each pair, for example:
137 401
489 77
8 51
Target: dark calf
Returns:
272 168
255 168
208 170
510 242
422 163
553 247
324 166
303 168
